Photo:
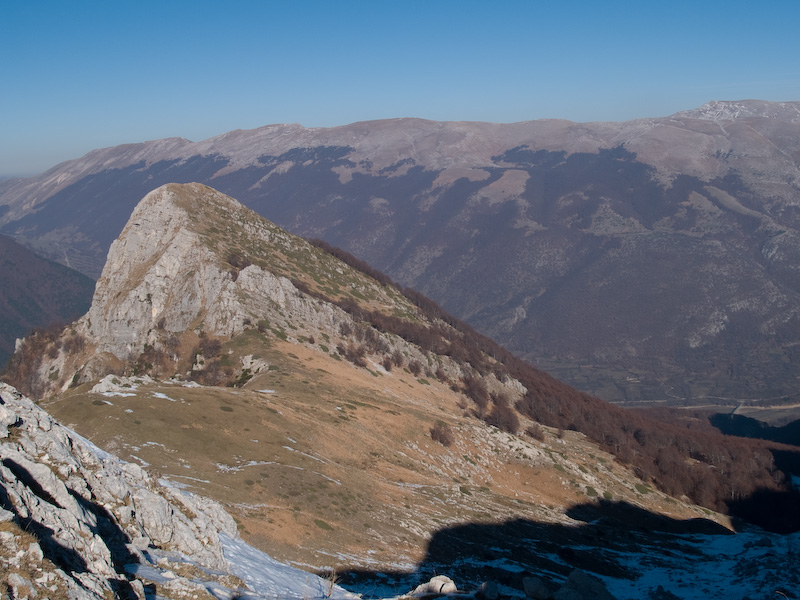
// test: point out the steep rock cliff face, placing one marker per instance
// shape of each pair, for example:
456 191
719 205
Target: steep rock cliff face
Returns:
193 266
163 273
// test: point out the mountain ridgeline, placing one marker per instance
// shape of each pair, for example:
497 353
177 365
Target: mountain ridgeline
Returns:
651 260
198 287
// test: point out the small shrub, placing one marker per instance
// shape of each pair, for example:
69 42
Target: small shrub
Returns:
213 374
210 347
355 353
322 525
397 358
503 416
475 389
442 433
172 342
536 432
237 261
245 376
74 344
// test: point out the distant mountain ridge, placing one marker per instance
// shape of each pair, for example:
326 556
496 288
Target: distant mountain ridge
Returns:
642 261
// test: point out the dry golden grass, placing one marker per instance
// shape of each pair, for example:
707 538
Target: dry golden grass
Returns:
320 461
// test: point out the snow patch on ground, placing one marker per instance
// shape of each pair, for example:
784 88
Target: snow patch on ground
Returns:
715 567
223 468
272 579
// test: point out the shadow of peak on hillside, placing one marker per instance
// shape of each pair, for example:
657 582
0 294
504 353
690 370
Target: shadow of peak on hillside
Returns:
507 552
773 511
623 515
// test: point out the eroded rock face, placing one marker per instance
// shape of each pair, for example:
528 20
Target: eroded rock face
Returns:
76 519
161 274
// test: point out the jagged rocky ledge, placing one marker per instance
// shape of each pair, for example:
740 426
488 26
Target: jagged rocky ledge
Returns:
77 522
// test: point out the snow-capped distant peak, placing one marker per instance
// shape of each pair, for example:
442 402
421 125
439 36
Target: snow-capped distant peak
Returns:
729 110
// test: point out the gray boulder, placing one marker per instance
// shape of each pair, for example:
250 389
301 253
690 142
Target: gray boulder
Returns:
582 586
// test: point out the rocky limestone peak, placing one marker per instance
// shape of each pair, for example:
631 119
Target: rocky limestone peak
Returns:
176 265
194 266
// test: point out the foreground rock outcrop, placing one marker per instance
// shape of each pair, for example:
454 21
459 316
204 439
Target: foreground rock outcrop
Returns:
77 522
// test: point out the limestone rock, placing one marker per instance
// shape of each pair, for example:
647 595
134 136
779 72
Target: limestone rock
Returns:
487 591
162 270
7 418
76 517
582 586
537 589
438 585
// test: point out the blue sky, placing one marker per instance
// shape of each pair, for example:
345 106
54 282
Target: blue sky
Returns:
78 75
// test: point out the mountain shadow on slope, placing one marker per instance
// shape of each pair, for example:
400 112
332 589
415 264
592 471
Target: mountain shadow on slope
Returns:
772 511
507 552
742 426
36 293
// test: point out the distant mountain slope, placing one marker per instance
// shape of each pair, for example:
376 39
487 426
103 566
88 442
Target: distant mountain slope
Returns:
36 293
644 261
